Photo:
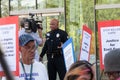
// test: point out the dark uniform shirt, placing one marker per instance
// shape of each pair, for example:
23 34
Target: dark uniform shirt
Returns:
53 41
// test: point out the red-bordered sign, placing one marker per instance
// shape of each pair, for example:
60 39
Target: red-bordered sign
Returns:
86 42
109 37
9 42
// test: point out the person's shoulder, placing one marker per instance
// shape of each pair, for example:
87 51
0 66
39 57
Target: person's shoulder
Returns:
22 31
48 34
62 30
38 64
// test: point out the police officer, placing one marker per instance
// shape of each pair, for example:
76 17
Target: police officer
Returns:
52 47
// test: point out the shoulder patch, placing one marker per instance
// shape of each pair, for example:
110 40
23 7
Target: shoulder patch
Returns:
48 34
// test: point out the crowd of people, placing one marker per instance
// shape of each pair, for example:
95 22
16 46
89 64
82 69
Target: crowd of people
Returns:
32 68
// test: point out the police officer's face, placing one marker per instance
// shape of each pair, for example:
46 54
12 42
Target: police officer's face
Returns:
28 51
53 24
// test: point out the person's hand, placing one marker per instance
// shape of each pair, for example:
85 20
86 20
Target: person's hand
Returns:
60 46
40 26
40 59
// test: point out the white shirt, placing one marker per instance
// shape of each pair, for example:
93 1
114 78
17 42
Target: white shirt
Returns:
39 72
38 40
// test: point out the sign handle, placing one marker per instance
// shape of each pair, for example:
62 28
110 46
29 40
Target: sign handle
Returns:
5 67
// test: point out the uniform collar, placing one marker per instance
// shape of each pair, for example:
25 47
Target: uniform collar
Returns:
55 30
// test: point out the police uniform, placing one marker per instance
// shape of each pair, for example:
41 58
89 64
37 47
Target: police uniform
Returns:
54 54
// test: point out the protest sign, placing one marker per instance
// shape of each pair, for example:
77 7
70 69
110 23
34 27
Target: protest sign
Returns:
109 37
9 43
68 52
86 42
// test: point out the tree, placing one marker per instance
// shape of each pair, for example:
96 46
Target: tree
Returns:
4 8
0 9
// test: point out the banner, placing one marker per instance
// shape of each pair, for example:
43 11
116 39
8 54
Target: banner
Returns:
86 42
9 43
68 53
109 37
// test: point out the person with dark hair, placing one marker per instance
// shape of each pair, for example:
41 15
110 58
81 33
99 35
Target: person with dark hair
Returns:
112 64
80 70
22 21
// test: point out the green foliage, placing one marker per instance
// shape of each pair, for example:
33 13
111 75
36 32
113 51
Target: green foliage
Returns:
5 9
109 14
51 5
88 13
79 12
107 1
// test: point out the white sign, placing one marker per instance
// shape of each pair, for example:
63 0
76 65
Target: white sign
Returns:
110 39
86 40
8 42
68 52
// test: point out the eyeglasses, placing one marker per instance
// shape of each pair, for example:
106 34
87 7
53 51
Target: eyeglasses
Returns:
30 48
114 74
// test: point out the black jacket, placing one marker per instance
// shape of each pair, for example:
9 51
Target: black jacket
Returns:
53 40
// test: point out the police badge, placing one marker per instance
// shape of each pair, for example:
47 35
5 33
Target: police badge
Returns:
57 35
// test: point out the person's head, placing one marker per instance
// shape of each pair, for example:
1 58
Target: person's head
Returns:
112 64
54 24
80 70
22 21
27 48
